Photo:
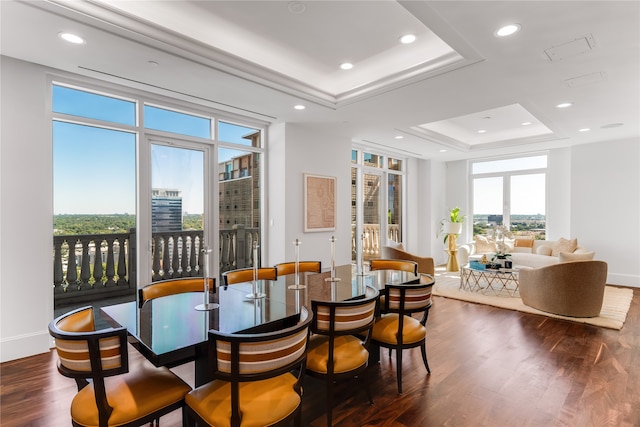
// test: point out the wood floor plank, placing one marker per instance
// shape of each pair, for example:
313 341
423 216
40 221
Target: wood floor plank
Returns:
489 367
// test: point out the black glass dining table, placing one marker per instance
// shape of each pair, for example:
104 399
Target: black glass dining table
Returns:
169 331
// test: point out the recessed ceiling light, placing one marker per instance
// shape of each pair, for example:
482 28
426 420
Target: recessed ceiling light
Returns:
482 131
443 151
299 107
584 130
525 123
346 65
507 30
407 39
71 38
564 105
399 137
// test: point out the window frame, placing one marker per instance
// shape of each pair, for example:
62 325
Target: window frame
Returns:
146 136
506 184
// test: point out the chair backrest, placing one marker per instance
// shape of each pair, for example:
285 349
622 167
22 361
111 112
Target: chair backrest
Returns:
394 264
85 353
246 275
345 317
277 348
303 266
168 287
409 298
248 356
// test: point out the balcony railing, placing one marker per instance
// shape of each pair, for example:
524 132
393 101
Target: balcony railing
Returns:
371 242
103 265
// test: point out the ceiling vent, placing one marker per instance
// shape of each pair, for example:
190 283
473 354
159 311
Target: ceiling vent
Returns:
576 47
586 79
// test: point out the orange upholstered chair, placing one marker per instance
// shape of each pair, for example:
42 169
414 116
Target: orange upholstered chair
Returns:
253 382
396 329
115 396
303 266
394 264
246 275
168 287
337 350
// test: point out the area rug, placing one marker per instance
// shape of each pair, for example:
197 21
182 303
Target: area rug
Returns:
614 307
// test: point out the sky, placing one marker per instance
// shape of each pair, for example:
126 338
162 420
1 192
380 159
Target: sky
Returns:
95 168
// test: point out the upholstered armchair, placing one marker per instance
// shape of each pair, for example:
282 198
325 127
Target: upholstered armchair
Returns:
425 264
573 289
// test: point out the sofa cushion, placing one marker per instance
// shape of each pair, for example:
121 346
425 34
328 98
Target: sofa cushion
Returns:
485 244
522 246
544 250
533 260
564 245
583 256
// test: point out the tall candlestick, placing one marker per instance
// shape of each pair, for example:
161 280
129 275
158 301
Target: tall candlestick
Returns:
297 284
206 305
254 286
333 260
255 261
361 257
297 266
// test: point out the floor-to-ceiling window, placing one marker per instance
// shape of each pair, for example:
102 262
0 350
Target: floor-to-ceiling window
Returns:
142 187
376 202
509 196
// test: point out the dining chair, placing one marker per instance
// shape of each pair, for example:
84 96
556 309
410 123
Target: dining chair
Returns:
132 397
339 345
394 264
253 382
396 329
246 275
303 266
168 287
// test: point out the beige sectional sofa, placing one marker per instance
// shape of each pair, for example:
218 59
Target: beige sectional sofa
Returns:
527 252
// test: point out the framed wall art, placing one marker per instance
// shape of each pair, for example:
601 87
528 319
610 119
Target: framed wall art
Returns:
319 203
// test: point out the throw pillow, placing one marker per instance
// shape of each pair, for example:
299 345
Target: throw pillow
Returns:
523 245
544 250
564 245
485 244
584 256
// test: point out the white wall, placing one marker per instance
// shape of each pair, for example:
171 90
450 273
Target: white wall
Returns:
315 150
605 206
26 200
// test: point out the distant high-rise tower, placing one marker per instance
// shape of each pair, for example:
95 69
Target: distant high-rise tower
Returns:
166 210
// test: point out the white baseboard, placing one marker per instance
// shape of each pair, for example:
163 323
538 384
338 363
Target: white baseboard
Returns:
629 280
20 346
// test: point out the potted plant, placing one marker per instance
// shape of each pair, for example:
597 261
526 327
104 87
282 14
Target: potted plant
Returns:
452 224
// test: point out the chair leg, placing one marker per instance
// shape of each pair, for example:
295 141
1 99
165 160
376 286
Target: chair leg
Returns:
329 401
399 369
366 381
297 420
423 349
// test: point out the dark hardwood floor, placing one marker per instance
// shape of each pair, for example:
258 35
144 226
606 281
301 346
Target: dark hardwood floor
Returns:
490 367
